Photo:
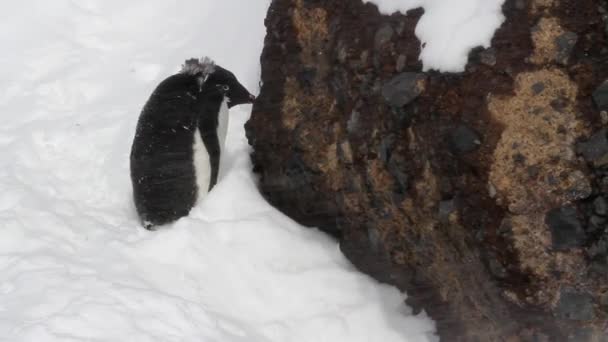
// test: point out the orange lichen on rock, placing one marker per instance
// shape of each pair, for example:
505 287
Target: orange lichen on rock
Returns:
544 37
534 165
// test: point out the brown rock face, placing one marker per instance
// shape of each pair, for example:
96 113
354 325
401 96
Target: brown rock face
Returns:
482 194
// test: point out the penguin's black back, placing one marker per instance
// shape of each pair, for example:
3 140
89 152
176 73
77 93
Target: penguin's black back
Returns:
164 163
162 171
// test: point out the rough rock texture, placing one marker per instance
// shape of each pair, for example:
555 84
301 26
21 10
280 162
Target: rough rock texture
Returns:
482 194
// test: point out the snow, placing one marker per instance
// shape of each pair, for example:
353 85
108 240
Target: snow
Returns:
448 30
74 263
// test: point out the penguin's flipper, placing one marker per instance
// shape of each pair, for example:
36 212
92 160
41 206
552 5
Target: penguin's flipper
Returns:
212 144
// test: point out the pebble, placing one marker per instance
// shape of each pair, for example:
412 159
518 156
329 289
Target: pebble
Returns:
600 96
575 305
463 139
595 149
566 229
565 44
403 88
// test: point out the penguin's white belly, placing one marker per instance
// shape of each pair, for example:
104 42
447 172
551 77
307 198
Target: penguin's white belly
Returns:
202 166
202 163
222 130
222 124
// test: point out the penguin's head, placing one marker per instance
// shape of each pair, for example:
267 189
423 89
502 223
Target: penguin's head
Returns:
213 77
227 84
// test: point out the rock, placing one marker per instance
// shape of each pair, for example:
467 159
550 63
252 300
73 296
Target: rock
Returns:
580 187
582 335
538 87
488 57
533 171
565 44
400 63
600 206
604 117
352 125
604 301
445 209
559 104
600 96
386 148
496 268
598 249
463 139
566 229
396 169
383 35
488 273
599 266
603 184
574 305
519 159
403 88
306 77
491 190
595 223
374 239
595 150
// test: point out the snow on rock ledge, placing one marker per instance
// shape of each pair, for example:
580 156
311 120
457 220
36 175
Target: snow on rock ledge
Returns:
448 30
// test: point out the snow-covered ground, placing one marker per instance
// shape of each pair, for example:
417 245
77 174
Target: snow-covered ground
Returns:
74 263
449 29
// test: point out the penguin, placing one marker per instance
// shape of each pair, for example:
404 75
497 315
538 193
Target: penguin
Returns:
179 140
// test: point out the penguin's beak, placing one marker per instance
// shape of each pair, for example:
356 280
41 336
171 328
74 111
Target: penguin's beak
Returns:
251 98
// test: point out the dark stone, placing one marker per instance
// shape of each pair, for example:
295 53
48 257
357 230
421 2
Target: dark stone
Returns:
566 229
600 206
445 209
506 227
582 335
538 88
574 305
445 186
604 301
383 36
559 104
603 184
496 268
536 111
488 57
565 44
463 139
599 249
600 96
403 88
386 147
396 167
352 125
580 187
519 158
595 223
520 4
595 149
306 77
401 60
533 171
599 266
375 242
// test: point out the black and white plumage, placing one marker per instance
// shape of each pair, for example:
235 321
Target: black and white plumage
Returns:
179 140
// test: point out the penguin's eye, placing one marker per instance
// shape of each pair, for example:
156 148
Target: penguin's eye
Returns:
225 88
